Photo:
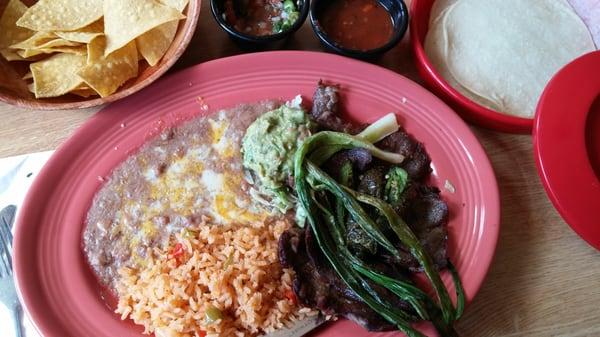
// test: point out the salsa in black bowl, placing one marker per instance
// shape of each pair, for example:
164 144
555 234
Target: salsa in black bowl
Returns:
258 23
359 28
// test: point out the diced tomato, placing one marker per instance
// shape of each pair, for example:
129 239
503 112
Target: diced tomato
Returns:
291 296
200 333
176 252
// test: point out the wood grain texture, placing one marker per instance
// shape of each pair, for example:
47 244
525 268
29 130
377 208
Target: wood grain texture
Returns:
545 280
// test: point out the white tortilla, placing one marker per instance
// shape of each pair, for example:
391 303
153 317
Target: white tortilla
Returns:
436 48
502 53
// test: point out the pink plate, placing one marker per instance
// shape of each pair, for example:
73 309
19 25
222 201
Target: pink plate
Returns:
54 282
567 144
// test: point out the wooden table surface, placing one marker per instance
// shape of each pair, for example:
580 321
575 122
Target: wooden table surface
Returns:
544 281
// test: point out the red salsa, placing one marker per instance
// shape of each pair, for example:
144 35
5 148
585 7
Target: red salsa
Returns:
357 24
260 17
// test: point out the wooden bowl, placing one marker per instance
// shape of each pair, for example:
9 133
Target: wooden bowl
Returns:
13 89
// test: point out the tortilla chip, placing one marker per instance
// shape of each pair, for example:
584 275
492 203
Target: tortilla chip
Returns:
52 15
95 50
58 42
10 33
82 86
125 20
106 74
27 53
10 55
28 76
177 4
85 34
36 40
154 44
57 75
85 92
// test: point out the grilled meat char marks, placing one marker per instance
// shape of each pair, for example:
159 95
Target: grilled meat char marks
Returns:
427 215
416 162
325 110
316 284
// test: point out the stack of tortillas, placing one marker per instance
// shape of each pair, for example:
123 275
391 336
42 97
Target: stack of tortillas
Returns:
87 47
502 53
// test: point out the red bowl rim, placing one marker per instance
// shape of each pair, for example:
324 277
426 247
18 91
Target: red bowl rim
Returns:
575 196
468 109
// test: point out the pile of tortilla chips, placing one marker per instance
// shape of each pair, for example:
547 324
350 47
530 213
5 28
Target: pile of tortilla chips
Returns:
87 47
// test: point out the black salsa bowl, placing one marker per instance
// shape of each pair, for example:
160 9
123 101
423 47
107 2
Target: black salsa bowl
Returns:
396 9
249 41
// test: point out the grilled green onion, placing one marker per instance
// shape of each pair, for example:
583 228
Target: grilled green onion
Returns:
315 189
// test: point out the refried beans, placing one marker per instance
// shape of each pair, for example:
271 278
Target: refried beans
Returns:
175 180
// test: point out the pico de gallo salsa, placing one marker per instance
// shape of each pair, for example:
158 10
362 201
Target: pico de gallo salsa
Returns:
261 17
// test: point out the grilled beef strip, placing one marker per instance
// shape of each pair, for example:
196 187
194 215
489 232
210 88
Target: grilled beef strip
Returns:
325 110
316 284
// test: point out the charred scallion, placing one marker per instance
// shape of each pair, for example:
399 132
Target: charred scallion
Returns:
315 189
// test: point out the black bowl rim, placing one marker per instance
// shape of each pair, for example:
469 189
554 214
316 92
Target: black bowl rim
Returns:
399 32
260 39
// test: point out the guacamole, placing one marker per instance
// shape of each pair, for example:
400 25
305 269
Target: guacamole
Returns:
268 150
